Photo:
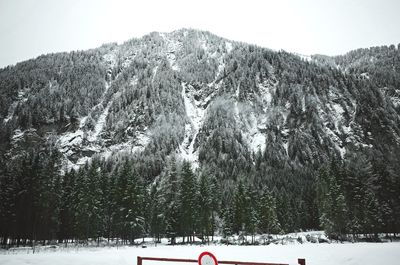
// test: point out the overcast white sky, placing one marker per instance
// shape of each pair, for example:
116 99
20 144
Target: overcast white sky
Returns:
29 28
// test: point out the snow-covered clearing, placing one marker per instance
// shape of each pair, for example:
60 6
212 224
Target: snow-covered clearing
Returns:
315 254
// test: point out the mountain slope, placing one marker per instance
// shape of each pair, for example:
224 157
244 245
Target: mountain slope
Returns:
194 93
278 142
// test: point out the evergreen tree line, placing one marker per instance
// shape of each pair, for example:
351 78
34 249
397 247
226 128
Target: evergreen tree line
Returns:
103 201
40 205
358 196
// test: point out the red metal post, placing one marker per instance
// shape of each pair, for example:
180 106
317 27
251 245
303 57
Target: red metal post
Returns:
139 261
168 259
247 263
301 261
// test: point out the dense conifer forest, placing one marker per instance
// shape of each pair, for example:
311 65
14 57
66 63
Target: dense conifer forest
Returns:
187 134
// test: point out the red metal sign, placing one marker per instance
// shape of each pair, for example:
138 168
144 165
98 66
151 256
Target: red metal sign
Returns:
207 258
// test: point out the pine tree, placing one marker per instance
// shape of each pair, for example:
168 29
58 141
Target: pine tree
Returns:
172 206
66 207
108 203
134 201
93 199
187 197
156 213
81 205
252 220
284 211
333 208
241 209
206 207
228 222
7 194
216 192
267 211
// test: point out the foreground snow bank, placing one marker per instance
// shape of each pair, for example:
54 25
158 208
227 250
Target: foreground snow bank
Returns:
315 254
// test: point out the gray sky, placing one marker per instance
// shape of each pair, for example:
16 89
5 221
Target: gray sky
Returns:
29 28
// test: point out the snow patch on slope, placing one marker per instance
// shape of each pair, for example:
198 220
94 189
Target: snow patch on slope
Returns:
195 113
254 125
364 75
98 128
203 43
335 113
76 145
70 139
253 134
266 89
286 147
228 46
129 147
236 109
306 58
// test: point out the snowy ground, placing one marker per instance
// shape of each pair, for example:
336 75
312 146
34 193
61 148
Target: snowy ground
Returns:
315 254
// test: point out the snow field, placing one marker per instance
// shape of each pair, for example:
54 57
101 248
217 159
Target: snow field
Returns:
315 254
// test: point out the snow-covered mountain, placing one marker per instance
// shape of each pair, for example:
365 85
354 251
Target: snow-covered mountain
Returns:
277 141
210 100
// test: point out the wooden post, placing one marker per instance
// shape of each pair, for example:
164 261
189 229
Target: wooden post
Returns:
139 261
301 261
